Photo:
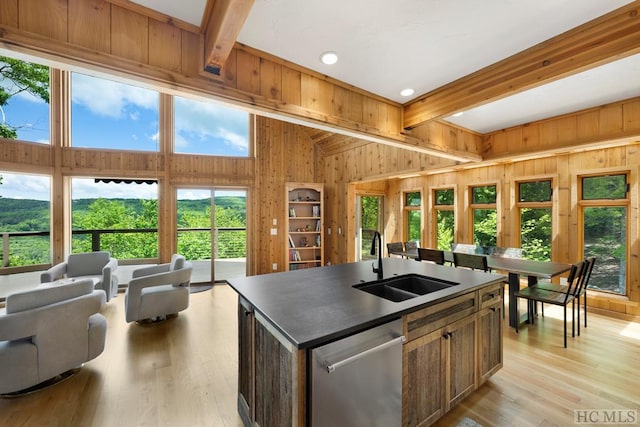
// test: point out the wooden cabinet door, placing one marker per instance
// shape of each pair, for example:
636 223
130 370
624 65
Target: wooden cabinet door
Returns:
423 382
489 341
460 359
246 364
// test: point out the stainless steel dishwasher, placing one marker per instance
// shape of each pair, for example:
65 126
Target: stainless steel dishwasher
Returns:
357 381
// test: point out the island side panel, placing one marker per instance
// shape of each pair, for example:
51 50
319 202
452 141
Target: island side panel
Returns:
246 362
280 379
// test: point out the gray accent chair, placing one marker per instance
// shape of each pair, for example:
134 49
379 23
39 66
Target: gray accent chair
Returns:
48 331
96 266
158 291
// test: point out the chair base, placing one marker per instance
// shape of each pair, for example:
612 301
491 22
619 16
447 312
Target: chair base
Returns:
43 385
155 320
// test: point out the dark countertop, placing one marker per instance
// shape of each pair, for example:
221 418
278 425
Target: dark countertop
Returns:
314 306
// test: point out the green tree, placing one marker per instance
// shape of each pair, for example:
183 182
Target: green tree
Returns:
105 214
18 76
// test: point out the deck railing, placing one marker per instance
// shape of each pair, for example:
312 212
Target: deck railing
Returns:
31 248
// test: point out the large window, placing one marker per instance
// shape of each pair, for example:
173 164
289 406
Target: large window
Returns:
210 128
112 115
485 215
444 217
535 206
119 216
604 205
24 100
413 215
25 219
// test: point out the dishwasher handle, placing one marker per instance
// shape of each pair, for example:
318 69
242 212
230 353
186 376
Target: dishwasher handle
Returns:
330 367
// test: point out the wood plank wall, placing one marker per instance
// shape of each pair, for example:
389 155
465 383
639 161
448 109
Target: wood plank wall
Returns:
619 120
286 154
107 37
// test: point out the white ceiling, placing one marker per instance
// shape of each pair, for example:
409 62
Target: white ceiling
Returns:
385 46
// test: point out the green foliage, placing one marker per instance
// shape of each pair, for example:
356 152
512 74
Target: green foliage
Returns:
485 229
604 187
23 77
370 212
484 195
535 237
535 191
445 229
444 197
413 225
119 214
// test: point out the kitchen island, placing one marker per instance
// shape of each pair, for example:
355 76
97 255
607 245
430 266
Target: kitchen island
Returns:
453 339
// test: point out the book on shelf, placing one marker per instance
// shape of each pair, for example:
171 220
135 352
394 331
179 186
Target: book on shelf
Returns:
292 212
318 225
315 211
291 244
294 256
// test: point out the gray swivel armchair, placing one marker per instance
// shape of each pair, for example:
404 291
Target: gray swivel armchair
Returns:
158 291
48 332
96 266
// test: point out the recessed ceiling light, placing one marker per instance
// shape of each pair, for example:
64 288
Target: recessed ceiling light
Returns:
329 58
458 114
407 92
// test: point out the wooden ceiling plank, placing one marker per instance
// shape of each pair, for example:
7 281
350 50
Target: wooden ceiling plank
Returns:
610 37
222 29
154 14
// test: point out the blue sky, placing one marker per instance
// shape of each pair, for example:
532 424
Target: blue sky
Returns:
108 114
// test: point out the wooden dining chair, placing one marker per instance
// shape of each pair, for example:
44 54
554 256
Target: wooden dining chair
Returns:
394 247
535 294
464 248
432 255
581 292
474 262
408 246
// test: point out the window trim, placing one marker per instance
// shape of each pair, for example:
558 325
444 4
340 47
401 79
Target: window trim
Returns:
626 203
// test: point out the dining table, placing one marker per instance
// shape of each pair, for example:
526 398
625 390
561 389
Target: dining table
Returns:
515 268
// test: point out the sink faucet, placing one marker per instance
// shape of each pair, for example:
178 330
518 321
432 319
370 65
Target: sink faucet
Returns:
376 236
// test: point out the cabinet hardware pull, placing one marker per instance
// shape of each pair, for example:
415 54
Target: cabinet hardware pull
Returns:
330 367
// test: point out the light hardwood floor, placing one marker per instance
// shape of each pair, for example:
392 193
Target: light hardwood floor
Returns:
183 372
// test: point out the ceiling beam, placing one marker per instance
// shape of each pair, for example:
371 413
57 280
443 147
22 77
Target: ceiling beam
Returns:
222 28
610 37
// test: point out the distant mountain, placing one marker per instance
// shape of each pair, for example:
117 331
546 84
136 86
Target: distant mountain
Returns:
34 215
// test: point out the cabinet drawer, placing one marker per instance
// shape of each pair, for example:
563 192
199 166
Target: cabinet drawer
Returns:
429 319
490 295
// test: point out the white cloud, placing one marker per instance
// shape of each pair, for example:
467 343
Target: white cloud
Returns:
22 186
111 99
193 194
210 120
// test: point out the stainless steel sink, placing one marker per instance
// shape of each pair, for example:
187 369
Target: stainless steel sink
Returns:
401 288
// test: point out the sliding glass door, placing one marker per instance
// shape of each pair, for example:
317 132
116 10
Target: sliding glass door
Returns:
212 226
